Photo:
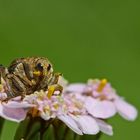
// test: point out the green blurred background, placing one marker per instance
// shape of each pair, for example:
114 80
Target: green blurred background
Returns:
83 39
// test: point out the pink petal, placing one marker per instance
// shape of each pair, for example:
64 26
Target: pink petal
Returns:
14 104
87 124
104 127
3 96
70 123
45 116
126 110
100 109
13 114
18 98
78 87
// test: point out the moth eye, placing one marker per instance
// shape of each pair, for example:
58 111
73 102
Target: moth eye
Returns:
49 67
39 67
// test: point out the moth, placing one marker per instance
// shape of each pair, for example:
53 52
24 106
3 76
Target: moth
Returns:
24 76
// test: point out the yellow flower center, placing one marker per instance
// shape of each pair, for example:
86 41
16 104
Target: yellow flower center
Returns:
47 108
56 106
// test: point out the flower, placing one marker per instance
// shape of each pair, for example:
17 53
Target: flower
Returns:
102 100
84 108
68 108
15 109
86 121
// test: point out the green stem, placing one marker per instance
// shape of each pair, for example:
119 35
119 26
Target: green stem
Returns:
65 133
31 128
98 136
44 127
91 137
1 125
27 127
75 136
58 129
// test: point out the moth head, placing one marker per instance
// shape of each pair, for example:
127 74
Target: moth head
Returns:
43 68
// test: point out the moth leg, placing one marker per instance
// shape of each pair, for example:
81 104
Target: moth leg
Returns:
17 88
54 79
53 88
3 84
3 79
43 83
47 81
1 71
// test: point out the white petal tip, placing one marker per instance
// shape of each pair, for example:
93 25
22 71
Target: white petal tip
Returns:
126 110
70 123
87 124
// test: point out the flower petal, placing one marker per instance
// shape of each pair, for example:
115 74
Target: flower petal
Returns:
87 124
70 123
45 116
3 96
13 114
104 127
126 110
15 104
100 109
77 87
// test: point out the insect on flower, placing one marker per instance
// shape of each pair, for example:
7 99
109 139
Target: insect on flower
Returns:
24 76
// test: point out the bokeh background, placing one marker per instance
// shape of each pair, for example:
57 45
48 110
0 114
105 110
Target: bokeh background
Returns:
83 39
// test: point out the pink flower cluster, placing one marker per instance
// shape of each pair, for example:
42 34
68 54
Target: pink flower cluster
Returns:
102 100
84 108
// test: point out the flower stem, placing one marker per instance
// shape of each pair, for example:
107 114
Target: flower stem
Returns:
65 133
91 137
44 127
1 125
